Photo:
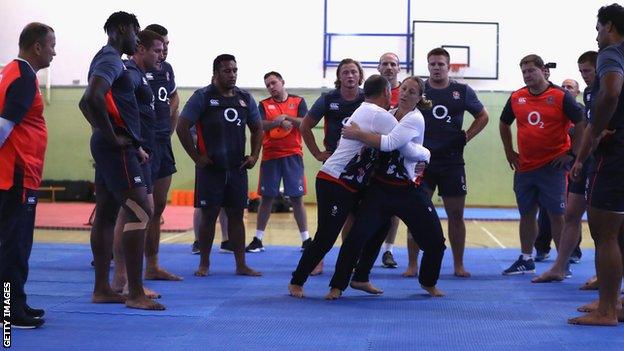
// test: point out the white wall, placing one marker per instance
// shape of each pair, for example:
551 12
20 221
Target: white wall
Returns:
286 35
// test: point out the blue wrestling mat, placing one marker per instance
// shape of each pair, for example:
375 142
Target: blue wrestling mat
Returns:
488 214
228 312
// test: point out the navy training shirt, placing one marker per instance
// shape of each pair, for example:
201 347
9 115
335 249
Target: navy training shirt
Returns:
587 100
220 123
444 136
611 59
336 111
121 102
163 86
145 100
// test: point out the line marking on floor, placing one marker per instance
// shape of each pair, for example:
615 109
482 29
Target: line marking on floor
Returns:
172 237
490 234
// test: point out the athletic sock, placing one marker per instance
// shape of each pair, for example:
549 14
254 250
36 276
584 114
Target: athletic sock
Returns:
259 234
304 235
527 257
387 247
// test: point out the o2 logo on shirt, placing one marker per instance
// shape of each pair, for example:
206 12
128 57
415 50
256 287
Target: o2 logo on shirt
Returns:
535 119
163 95
231 115
441 112
345 121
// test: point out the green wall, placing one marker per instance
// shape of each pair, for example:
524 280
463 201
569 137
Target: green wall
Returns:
68 157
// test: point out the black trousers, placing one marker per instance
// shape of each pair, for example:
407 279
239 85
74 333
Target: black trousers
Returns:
334 204
17 222
544 234
382 201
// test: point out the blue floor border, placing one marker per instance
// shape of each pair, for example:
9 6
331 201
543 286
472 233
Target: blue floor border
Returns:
488 214
228 312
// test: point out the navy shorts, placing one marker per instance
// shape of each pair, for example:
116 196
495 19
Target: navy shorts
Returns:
451 179
116 168
146 168
580 186
290 169
162 162
605 188
545 186
215 187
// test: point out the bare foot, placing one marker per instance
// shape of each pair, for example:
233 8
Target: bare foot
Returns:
247 271
201 271
591 284
333 294
595 318
590 307
148 292
433 291
549 276
295 290
411 271
461 272
118 283
318 269
366 287
107 297
160 274
144 303
151 293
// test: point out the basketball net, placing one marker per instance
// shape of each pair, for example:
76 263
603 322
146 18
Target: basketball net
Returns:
457 70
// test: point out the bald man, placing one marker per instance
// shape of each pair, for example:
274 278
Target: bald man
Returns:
389 67
571 86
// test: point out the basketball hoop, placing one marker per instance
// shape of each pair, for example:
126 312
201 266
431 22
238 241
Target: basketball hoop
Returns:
457 70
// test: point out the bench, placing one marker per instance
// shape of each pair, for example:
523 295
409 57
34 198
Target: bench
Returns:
52 190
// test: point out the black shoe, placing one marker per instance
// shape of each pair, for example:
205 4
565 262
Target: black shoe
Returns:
576 255
387 260
33 312
568 272
255 245
195 248
306 243
226 247
93 261
521 266
26 322
542 256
